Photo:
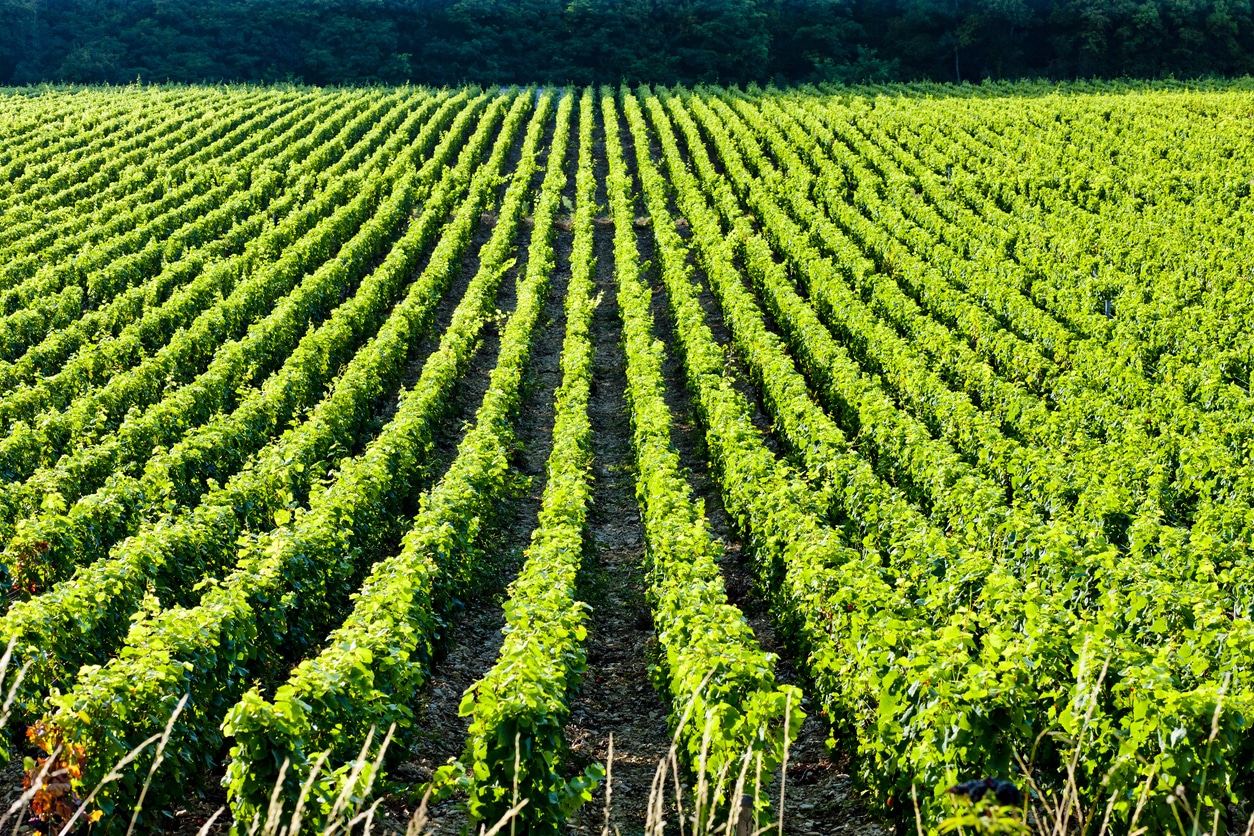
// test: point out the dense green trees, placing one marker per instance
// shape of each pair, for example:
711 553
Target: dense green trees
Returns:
590 41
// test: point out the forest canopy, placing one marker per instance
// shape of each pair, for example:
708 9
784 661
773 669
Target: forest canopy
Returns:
591 41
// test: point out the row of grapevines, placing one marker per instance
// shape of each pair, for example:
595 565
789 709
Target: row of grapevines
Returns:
854 614
1179 606
377 659
273 275
1077 136
1063 556
730 715
1104 500
59 148
133 246
58 241
954 491
31 120
975 366
62 540
1078 387
962 577
159 158
1193 410
1194 196
184 264
53 543
950 220
34 122
232 130
150 200
116 174
1001 607
1056 566
879 511
1078 384
920 220
520 707
1023 467
115 228
24 217
926 283
207 279
83 619
98 116
287 585
881 518
817 441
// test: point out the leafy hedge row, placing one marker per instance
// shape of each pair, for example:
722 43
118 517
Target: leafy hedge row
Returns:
520 707
955 492
902 445
49 139
907 543
29 129
28 410
50 386
289 584
185 418
270 277
33 223
81 620
1161 381
377 660
119 252
1170 282
1064 551
110 320
966 343
729 715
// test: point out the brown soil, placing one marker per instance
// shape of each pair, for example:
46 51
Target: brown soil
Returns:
819 793
617 697
475 639
467 395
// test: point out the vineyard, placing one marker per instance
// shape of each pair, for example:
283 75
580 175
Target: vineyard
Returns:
829 447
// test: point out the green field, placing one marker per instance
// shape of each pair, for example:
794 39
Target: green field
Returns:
915 419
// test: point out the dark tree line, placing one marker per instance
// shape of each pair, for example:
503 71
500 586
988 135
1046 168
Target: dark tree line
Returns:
585 41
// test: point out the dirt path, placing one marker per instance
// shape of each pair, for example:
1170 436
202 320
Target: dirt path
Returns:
467 395
475 639
618 697
820 795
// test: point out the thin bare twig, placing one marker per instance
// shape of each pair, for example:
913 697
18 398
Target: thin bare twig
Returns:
783 772
156 761
204 828
609 786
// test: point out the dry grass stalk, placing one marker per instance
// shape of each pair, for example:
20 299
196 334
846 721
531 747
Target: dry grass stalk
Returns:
1048 814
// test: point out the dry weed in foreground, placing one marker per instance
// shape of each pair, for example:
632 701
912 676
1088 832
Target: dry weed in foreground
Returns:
1041 814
